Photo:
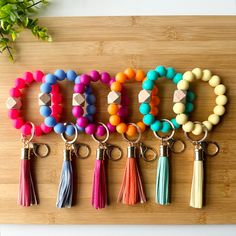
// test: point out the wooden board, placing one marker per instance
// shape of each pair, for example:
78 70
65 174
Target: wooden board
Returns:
112 44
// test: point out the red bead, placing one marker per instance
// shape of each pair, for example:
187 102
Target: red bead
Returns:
38 76
18 123
26 129
20 83
45 128
56 109
38 131
56 98
28 76
13 114
15 92
55 88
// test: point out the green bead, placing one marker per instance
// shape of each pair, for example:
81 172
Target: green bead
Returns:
177 78
156 126
174 122
188 107
190 96
148 119
152 75
166 127
145 108
170 73
161 70
148 84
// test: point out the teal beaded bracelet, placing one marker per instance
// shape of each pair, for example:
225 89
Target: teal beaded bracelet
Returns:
147 86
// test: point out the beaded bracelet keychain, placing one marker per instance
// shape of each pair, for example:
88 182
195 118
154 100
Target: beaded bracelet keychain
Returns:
197 128
164 126
131 191
65 192
27 195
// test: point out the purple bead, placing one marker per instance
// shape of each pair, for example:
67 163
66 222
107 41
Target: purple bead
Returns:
112 81
111 128
95 76
79 88
85 79
77 111
82 122
123 111
101 131
105 78
90 129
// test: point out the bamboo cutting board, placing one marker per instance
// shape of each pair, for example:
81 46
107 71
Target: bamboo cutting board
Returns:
112 44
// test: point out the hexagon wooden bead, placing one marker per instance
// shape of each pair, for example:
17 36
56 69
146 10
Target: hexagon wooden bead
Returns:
144 96
78 99
179 96
44 99
14 103
114 97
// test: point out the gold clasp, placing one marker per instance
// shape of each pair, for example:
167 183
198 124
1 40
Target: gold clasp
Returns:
206 146
78 149
177 145
36 147
110 149
144 150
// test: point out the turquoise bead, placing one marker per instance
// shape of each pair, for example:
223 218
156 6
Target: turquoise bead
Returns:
156 126
161 70
166 127
177 78
145 108
174 122
148 119
170 73
148 84
188 107
152 75
190 96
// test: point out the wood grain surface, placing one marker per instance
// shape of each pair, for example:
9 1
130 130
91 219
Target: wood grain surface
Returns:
112 44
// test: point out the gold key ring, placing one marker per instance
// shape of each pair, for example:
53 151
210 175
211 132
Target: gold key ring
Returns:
106 137
64 137
24 138
77 147
37 146
110 148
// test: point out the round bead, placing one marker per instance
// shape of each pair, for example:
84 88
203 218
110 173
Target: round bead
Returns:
89 118
50 79
91 109
114 120
123 111
174 122
113 109
71 75
70 130
121 128
88 90
161 70
221 100
18 123
105 78
214 81
140 75
38 131
90 99
77 111
131 131
145 108
111 127
154 111
19 83
188 76
28 76
170 73
116 86
148 119
219 110
101 131
166 127
190 96
178 108
220 89
156 126
15 92
38 76
206 75
141 125
178 77
90 129
154 91
207 124
155 100
82 122
45 128
59 128
189 107
85 79
188 127
197 130
181 119
77 80
46 88
214 119
45 111
79 88
95 76
26 129
152 75
80 129
112 80
121 77
148 84
13 114
197 73
130 73
183 85
60 74
50 121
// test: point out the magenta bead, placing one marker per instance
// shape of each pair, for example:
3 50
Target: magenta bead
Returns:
28 76
13 114
19 83
79 88
26 129
123 111
18 123
77 111
125 100
101 131
82 122
15 92
95 76
38 131
43 79
45 128
111 127
112 81
90 129
105 78
38 76
85 79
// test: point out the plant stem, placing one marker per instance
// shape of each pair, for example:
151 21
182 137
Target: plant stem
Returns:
7 47
34 4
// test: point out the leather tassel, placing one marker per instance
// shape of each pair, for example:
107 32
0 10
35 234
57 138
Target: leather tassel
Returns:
27 195
65 191
131 191
99 193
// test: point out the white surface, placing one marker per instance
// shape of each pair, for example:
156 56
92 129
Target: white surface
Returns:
129 7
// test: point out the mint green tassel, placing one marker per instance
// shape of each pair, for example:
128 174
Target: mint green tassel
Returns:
162 181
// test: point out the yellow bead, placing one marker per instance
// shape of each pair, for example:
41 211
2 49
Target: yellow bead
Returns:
214 119
221 100
188 76
214 81
206 75
220 89
181 119
183 85
219 110
197 72
188 127
207 124
197 130
178 108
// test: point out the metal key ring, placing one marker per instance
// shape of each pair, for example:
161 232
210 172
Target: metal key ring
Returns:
139 135
165 138
36 147
100 141
77 146
217 148
74 139
24 137
186 134
110 149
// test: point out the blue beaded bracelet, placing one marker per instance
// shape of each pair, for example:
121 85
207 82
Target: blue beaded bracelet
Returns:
78 100
179 96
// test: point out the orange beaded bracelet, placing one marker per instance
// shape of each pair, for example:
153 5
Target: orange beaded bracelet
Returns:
114 100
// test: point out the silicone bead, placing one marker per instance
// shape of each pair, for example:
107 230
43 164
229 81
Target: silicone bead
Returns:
28 76
188 107
38 76
197 130
197 72
220 89
121 128
170 73
207 124
46 88
18 123
70 130
140 75
156 126
130 73
188 76
113 109
178 107
91 109
50 121
161 70
114 120
45 111
190 96
45 128
60 74
80 129
77 111
121 77
116 86
214 119
90 129
85 79
19 83
148 85
152 75
79 88
142 126
181 119
166 127
15 92
105 78
131 131
38 132
88 90
188 127
71 75
183 85
148 119
145 108
206 75
178 77
111 127
50 79
89 118
95 76
214 81
219 110
13 114
123 112
174 122
101 131
26 129
77 80
59 128
82 122
221 100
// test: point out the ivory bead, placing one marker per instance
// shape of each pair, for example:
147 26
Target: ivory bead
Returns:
197 72
220 89
206 75
207 124
214 81
197 130
219 110
214 119
183 85
181 119
188 127
188 76
221 100
178 108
